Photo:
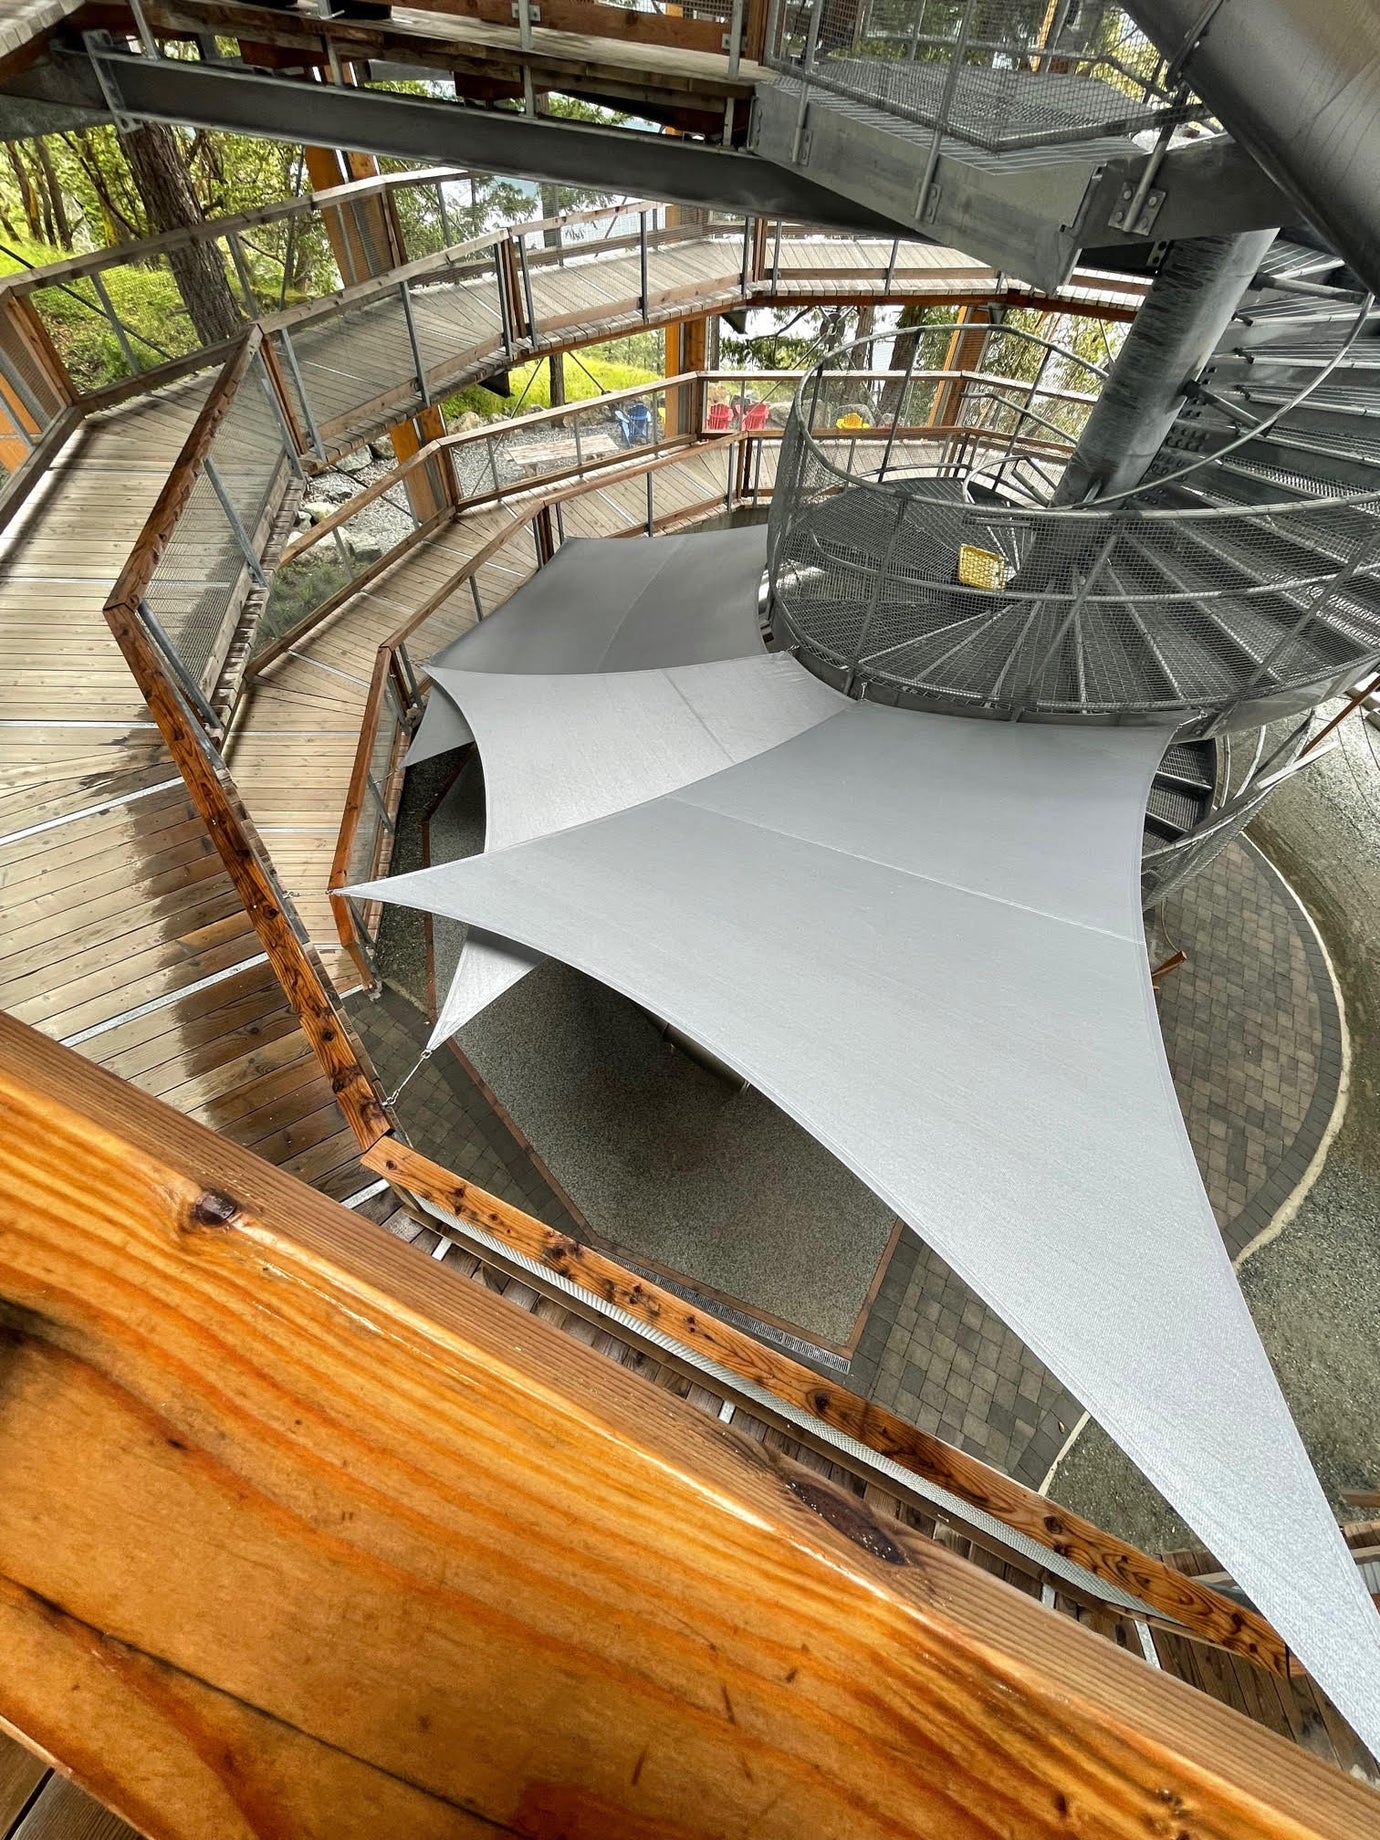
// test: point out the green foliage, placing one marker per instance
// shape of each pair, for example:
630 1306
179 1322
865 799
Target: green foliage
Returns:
301 587
145 299
588 374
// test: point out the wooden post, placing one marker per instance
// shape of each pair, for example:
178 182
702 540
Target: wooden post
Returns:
302 1534
431 486
30 406
964 354
686 346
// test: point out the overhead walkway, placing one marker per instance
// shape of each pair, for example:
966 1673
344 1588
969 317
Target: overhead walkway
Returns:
852 123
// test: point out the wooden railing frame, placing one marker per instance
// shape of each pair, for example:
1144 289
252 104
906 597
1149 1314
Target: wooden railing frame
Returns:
212 790
758 279
74 268
1186 1602
302 1534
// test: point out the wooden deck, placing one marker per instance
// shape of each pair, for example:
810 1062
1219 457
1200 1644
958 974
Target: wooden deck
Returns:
292 745
25 26
120 932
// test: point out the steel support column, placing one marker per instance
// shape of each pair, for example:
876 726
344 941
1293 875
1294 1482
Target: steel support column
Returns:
1297 83
1180 321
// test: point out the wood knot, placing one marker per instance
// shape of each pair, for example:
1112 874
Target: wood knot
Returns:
845 1517
212 1209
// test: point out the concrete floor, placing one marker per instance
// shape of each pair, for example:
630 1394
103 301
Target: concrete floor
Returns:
1314 1290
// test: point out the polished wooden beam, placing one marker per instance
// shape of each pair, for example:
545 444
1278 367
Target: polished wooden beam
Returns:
1202 1611
301 1534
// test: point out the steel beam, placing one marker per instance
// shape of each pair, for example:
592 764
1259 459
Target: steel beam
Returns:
1298 83
408 127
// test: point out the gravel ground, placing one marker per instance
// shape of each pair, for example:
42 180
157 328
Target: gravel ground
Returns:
1314 1291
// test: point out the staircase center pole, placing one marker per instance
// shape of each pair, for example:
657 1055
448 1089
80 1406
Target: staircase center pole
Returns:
1188 308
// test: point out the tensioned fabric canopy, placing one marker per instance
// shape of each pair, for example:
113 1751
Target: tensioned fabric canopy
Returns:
921 937
601 605
559 751
612 604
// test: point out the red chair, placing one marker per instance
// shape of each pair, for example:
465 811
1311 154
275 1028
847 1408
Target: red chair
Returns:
720 418
756 417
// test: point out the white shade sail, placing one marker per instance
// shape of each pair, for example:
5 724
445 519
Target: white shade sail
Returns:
612 604
601 605
559 751
921 937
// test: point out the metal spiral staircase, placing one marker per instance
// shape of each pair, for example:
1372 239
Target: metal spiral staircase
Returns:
1237 583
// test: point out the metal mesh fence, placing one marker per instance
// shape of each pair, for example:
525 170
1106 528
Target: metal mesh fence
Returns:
994 73
201 577
904 564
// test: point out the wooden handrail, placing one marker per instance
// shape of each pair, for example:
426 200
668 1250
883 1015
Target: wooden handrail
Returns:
217 801
356 797
212 790
132 583
539 418
1201 1610
303 1534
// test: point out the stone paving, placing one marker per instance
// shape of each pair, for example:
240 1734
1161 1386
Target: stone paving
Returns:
447 1112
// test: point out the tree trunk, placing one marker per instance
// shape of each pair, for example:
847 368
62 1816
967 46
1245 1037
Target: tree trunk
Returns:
155 160
27 197
57 204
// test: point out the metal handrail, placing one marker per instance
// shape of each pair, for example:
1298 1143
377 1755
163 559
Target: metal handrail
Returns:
1120 504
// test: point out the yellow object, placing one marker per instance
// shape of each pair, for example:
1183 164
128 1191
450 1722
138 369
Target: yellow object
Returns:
981 568
851 420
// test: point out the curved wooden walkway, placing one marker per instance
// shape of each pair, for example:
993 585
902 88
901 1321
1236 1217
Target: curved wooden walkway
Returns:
120 933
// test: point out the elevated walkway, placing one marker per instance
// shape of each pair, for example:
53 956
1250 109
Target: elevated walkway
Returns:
122 934
232 1051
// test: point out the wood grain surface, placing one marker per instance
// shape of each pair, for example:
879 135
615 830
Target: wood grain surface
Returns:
300 1536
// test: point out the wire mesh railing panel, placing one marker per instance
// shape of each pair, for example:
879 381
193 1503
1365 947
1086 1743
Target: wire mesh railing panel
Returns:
994 73
911 565
249 451
197 579
373 830
215 550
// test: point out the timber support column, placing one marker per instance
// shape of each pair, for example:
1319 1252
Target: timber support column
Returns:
33 383
687 348
366 240
965 353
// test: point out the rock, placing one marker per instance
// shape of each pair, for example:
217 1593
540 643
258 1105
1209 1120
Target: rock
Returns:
358 462
382 449
316 510
469 421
